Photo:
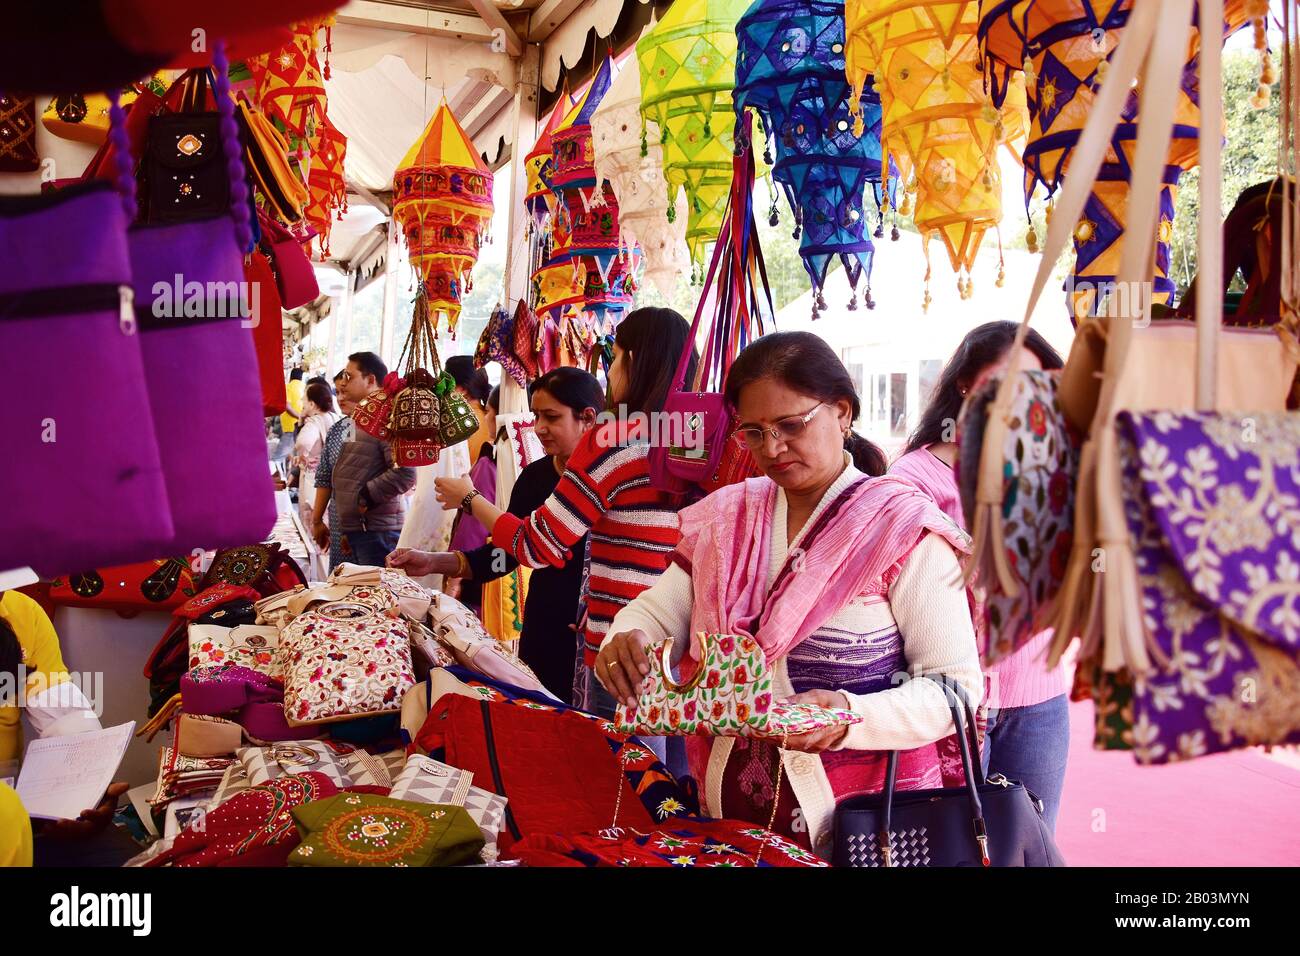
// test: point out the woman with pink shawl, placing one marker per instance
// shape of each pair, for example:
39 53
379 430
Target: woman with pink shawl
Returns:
848 580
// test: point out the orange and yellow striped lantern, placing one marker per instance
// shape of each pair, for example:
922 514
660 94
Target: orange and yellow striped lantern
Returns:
442 196
326 186
939 124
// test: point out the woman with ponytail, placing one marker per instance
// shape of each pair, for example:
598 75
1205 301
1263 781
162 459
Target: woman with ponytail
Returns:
849 581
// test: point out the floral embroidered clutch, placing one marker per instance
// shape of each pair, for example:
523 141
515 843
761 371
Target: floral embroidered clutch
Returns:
730 695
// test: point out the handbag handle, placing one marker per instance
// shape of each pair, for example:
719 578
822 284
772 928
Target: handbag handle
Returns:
692 682
230 142
1085 164
963 721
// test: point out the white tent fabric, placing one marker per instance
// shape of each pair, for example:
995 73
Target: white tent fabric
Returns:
564 47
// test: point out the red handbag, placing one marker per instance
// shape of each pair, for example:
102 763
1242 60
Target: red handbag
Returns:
268 333
739 304
160 585
294 276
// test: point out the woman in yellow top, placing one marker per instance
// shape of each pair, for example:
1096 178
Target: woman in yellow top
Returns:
31 663
15 830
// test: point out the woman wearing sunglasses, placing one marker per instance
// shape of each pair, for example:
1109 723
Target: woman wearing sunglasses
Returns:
848 581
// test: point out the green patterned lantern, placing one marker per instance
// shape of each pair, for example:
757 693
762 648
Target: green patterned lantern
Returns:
688 70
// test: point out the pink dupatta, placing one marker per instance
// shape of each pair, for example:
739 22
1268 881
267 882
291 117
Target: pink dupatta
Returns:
727 539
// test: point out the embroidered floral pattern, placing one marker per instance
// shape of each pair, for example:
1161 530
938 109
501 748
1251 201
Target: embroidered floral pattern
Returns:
344 660
731 697
1041 459
1213 504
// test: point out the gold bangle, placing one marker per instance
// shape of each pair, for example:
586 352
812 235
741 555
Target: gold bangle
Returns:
462 565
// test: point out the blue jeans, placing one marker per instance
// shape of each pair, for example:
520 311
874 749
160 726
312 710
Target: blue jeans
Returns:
371 547
1030 745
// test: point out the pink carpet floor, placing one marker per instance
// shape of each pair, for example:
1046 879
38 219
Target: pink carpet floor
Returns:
1234 809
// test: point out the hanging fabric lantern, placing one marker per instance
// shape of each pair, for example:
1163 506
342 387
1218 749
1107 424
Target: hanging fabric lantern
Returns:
687 75
638 180
1060 49
290 87
325 182
540 164
790 68
442 195
939 124
591 206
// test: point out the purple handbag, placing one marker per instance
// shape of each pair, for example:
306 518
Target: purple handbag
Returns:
85 486
199 359
1210 502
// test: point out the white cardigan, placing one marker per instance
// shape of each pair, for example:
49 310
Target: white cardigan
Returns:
927 601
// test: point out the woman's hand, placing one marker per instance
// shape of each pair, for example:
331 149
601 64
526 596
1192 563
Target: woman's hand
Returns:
416 563
321 533
91 822
819 740
622 665
452 491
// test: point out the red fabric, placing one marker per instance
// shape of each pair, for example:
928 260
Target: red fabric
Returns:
557 771
683 843
268 334
159 585
252 828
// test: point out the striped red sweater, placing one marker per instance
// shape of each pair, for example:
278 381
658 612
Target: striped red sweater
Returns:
605 490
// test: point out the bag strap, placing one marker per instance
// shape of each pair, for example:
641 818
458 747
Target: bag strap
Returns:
963 722
1085 165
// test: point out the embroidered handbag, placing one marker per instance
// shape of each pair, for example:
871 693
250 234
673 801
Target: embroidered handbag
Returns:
686 844
739 305
730 695
183 170
1210 501
267 568
247 645
523 336
18 134
1040 459
252 827
987 822
344 660
170 656
424 780
267 153
67 279
357 829
409 596
150 585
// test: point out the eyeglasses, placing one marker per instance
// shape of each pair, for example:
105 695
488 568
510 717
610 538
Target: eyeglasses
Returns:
784 431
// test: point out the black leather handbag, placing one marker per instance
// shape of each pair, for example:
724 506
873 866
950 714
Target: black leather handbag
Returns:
993 822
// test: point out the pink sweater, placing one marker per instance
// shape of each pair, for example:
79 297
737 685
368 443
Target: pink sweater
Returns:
1022 679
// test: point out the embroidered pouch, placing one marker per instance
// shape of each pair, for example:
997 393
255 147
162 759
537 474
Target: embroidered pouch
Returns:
1040 469
410 596
356 829
18 134
1211 504
160 585
729 696
425 780
247 645
344 660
